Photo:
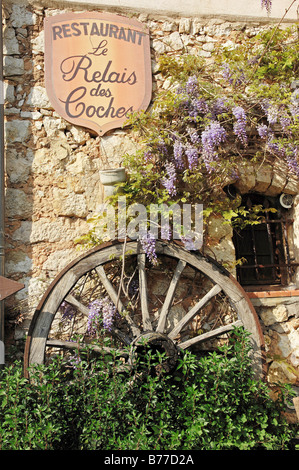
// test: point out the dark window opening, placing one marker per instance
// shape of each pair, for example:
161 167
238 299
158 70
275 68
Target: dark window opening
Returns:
264 248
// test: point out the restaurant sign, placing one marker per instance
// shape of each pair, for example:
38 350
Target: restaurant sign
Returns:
97 68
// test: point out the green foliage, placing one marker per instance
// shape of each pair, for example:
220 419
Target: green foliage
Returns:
212 402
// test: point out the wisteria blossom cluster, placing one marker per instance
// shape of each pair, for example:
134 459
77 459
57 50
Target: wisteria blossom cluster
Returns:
267 4
169 180
148 244
212 136
282 147
209 127
67 311
240 124
102 312
198 146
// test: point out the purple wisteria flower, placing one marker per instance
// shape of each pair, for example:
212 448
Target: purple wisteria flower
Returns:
169 180
276 148
199 106
272 114
165 232
271 111
240 124
191 87
285 122
188 243
233 77
193 134
213 135
109 313
194 107
101 310
292 160
148 156
67 311
148 244
162 149
294 110
227 73
272 144
192 156
263 131
267 4
219 107
178 152
192 103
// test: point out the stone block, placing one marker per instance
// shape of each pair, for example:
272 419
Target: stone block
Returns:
38 46
263 178
38 98
13 66
9 92
69 204
169 26
278 183
175 42
246 181
18 204
114 146
17 131
17 262
53 125
281 372
185 25
59 259
159 46
20 16
276 315
208 46
10 42
218 230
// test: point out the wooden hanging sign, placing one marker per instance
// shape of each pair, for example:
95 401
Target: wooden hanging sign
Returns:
97 68
9 287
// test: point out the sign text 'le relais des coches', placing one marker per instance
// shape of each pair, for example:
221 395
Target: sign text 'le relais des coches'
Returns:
97 67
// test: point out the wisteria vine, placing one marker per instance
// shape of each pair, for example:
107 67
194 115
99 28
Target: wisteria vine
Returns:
213 121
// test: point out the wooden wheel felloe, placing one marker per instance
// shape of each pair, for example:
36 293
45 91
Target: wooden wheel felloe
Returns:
184 301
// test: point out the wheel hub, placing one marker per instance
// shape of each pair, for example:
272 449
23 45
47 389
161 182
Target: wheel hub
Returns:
158 343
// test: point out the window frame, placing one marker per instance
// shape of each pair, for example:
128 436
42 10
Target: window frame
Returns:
281 264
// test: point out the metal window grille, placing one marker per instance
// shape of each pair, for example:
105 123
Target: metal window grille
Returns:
264 246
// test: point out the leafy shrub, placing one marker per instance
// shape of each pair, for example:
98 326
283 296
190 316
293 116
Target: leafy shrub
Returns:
211 402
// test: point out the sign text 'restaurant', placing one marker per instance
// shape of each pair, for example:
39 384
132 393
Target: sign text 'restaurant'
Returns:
94 29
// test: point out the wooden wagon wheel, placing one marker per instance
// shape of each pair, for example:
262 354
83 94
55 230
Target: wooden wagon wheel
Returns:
185 301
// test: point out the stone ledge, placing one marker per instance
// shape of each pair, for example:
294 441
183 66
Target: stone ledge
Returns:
277 293
274 298
219 8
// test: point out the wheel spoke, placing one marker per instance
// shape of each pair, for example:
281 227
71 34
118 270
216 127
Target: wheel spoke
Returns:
58 343
169 296
114 297
70 299
143 293
110 289
194 310
209 335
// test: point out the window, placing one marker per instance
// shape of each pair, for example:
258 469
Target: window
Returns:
264 246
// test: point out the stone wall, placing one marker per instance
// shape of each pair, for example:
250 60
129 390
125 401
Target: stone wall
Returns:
52 166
